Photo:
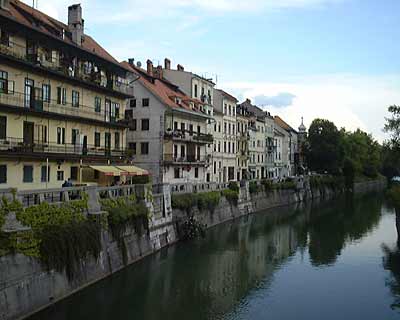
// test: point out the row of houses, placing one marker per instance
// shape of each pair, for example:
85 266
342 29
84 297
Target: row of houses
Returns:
69 110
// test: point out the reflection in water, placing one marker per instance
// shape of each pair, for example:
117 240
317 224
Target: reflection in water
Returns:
391 262
208 279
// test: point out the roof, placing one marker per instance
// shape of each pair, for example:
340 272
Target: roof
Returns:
165 91
38 21
252 108
227 95
283 124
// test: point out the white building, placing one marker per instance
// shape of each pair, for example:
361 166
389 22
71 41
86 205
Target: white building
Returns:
223 156
168 134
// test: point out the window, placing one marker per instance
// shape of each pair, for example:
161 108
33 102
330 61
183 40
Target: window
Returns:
61 95
97 104
4 82
191 129
224 146
46 94
145 102
215 167
3 173
175 126
145 124
74 173
133 125
60 135
45 174
5 38
183 153
132 147
97 138
128 114
60 175
3 127
132 103
116 140
196 172
177 173
107 141
28 174
198 129
75 99
182 127
74 136
175 151
225 127
195 90
144 148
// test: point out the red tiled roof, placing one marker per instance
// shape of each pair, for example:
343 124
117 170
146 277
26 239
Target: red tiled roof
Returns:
37 20
283 124
164 90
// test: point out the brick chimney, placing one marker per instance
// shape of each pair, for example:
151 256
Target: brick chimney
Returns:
180 67
150 67
5 4
76 23
167 64
158 72
131 61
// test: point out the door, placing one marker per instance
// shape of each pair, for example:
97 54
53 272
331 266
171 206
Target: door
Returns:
28 135
84 146
29 93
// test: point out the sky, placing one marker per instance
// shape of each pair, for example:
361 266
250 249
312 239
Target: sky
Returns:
333 59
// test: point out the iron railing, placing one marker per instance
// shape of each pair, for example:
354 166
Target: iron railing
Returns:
189 136
190 159
19 145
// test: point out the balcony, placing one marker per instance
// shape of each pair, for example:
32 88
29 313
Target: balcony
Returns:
185 160
189 136
19 147
69 67
51 108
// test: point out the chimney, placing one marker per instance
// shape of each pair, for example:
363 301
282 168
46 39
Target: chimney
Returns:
76 23
5 4
180 67
131 61
158 73
167 64
248 100
150 67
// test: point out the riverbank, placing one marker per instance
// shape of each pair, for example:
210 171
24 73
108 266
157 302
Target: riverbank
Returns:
26 287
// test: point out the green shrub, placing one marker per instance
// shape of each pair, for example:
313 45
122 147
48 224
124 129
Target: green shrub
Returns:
231 195
253 187
191 229
184 202
267 184
393 195
208 200
233 186
141 179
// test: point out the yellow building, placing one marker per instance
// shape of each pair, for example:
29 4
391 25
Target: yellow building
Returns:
62 99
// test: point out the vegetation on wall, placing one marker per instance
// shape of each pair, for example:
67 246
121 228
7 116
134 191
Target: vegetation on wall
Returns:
231 195
191 229
124 213
59 236
204 201
393 195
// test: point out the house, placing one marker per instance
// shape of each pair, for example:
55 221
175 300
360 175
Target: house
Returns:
168 128
62 100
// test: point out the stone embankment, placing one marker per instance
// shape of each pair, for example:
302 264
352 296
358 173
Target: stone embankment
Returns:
26 286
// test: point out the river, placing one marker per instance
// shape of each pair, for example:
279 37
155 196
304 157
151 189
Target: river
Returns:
334 260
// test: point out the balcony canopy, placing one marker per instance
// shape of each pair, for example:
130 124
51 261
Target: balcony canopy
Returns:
133 171
109 170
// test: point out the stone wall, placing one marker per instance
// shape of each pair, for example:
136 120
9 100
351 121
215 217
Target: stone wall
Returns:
26 287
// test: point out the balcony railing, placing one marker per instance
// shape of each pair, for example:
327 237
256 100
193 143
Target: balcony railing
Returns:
17 99
187 159
189 136
19 145
63 66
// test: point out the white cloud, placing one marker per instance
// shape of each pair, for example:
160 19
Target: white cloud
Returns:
349 101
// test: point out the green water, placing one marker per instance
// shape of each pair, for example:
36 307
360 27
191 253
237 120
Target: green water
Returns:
336 260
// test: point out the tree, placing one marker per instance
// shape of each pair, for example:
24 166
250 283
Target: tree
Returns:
324 150
391 149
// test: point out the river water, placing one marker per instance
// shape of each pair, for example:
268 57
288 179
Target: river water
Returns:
334 260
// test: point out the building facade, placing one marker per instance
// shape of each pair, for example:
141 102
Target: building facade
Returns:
243 141
225 133
167 135
62 100
198 88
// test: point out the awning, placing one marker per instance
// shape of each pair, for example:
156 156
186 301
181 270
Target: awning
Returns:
109 170
133 171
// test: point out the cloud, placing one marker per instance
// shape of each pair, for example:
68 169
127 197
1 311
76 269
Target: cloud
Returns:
350 101
126 11
282 99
